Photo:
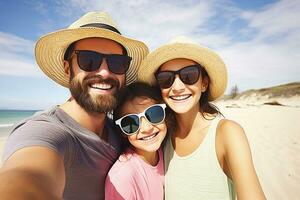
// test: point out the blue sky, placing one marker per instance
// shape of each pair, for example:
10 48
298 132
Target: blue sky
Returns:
259 40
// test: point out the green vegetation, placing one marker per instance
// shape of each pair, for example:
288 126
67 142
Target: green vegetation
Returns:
234 91
286 90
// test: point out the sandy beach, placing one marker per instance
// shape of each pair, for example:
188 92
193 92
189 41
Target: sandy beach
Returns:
4 131
273 134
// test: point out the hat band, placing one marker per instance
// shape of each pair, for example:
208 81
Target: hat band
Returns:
100 25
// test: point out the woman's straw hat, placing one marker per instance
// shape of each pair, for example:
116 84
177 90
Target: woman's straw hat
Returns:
182 47
50 49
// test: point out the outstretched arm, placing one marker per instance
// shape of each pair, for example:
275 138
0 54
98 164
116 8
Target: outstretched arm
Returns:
239 162
33 173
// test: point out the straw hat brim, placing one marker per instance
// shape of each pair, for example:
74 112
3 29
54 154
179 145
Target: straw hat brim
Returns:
212 63
50 50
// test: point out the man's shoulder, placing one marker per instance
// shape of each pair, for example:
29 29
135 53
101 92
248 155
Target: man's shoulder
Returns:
42 129
42 120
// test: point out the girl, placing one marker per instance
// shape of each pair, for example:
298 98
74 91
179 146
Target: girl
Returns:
206 157
139 172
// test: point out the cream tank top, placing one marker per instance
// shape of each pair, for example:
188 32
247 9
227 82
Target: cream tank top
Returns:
198 175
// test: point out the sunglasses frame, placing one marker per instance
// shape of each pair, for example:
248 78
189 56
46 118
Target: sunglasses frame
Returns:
174 73
140 115
102 56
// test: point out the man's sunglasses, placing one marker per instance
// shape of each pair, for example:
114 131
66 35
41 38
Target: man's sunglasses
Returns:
90 61
130 124
188 75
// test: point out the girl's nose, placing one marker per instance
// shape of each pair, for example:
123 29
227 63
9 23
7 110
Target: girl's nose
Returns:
146 127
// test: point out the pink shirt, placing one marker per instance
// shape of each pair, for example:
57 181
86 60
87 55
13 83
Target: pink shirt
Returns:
133 178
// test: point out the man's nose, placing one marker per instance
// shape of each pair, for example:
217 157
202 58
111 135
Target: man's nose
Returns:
103 69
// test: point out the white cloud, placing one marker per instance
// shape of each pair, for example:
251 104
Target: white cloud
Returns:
256 65
16 56
11 43
278 19
271 56
21 67
263 51
155 21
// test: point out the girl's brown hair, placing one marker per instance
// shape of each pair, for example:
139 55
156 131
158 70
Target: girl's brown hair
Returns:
128 93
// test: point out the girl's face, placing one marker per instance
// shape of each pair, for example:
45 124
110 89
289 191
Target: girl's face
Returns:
180 97
149 136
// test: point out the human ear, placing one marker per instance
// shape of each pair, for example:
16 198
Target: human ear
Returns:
67 68
205 83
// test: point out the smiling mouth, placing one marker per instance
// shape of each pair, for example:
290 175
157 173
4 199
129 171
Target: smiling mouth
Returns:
101 86
149 137
180 97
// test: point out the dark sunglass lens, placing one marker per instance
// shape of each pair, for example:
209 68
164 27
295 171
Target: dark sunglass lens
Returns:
88 60
130 124
155 114
190 75
118 64
165 79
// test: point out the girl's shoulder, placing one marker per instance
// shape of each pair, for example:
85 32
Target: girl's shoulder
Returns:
123 167
121 179
125 161
126 156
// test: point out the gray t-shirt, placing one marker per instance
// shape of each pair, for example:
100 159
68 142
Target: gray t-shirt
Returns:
87 158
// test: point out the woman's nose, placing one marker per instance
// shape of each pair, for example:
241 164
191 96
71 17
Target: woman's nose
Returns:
178 85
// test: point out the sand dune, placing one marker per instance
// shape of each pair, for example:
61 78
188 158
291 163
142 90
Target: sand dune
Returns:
273 133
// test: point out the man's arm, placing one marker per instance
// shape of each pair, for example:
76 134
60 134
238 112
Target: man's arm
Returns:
33 173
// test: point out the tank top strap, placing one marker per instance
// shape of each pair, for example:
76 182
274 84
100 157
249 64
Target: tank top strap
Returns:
212 131
211 137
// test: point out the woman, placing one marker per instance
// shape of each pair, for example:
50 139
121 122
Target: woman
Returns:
206 157
139 172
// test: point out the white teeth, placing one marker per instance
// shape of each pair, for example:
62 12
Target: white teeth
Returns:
101 86
149 137
181 97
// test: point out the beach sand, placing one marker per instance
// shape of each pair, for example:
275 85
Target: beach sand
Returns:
273 133
4 131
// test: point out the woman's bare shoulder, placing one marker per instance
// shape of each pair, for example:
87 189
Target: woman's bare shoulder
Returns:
230 131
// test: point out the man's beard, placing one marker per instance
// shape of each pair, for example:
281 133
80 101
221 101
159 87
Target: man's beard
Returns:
96 103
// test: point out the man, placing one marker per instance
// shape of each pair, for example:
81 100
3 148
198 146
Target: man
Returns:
66 152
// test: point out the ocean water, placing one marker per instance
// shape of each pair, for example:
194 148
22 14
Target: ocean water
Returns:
9 117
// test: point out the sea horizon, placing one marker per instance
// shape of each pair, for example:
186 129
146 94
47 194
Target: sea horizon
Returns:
13 109
8 117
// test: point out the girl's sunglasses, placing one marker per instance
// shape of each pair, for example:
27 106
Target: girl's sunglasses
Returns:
188 75
90 61
130 124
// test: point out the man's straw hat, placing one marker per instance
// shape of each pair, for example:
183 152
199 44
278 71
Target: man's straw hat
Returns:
50 49
182 47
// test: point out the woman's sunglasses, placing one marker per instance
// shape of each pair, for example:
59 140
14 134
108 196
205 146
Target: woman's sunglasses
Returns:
188 75
130 124
90 61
